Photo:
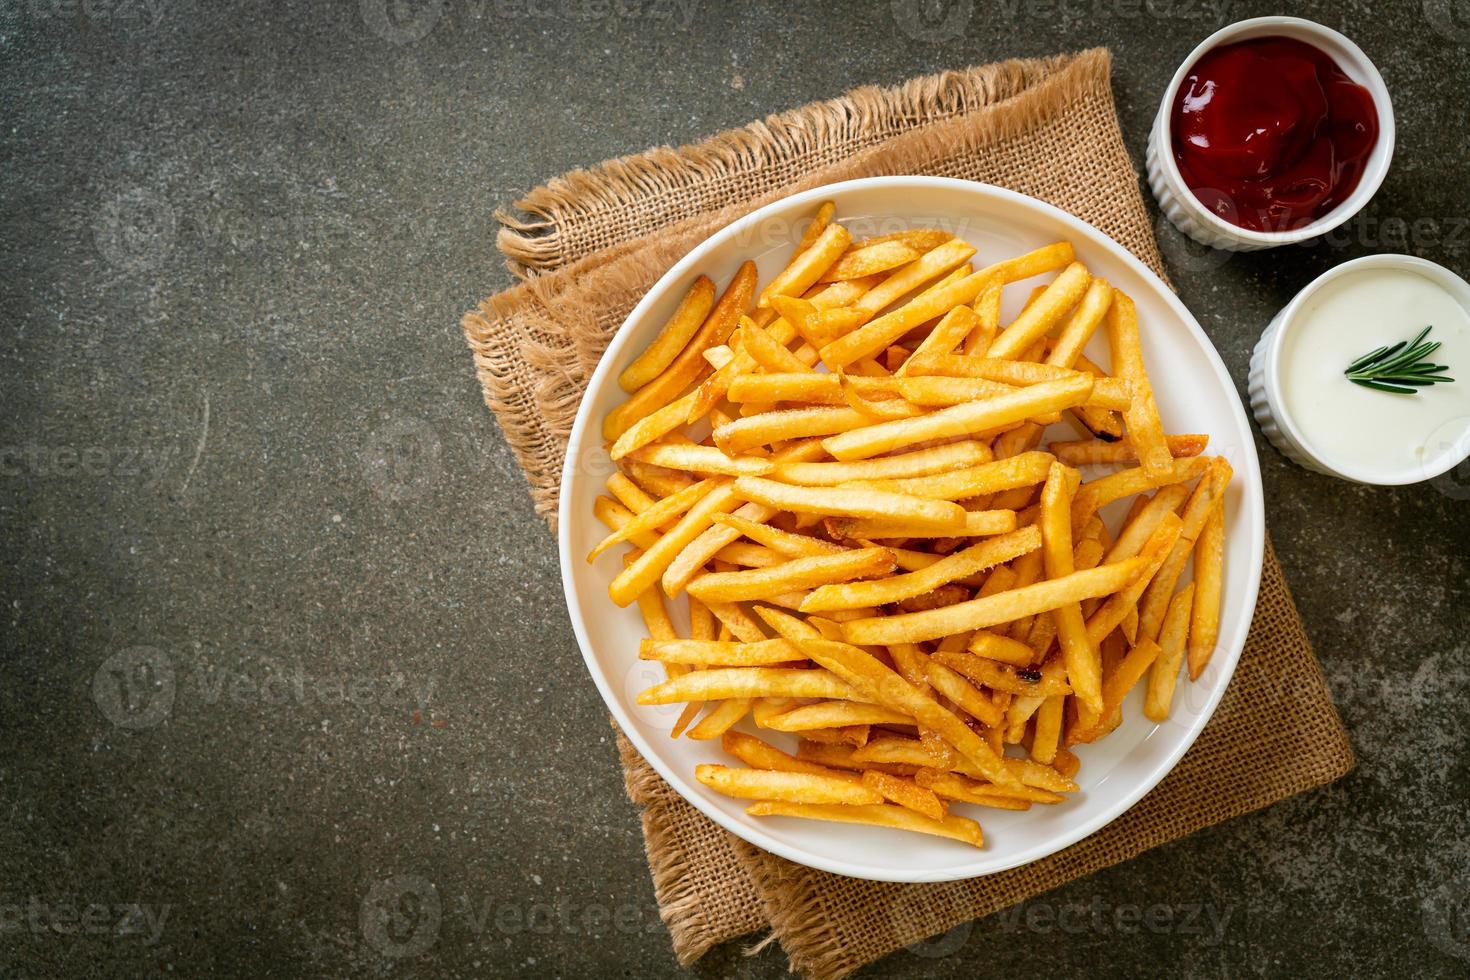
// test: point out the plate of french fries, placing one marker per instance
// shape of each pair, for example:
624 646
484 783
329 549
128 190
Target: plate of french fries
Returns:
911 528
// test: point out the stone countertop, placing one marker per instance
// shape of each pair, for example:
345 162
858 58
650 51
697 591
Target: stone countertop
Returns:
282 633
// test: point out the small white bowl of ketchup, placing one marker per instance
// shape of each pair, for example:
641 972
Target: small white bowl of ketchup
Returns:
1274 131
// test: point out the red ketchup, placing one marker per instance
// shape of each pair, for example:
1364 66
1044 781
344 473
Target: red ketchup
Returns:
1270 134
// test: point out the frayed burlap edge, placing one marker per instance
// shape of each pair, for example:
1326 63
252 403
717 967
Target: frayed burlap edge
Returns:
533 233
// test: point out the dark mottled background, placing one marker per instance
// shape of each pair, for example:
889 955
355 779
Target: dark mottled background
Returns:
284 640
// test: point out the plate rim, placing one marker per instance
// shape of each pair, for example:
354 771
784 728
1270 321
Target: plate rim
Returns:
750 831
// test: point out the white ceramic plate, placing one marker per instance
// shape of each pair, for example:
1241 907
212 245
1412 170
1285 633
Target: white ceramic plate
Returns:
1195 394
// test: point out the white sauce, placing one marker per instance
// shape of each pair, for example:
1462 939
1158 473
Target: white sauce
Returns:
1362 430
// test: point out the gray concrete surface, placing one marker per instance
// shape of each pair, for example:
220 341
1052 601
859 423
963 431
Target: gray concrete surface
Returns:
283 640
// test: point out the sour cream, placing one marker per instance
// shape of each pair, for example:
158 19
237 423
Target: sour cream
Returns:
1363 433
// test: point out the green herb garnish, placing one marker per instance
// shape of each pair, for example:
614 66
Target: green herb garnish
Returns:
1401 368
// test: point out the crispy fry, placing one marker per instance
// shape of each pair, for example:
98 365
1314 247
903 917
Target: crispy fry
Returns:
1048 730
1209 558
852 503
725 716
959 420
977 524
1155 551
866 260
877 334
1082 324
1165 671
673 338
758 754
807 267
1145 430
835 714
1119 682
962 375
791 787
703 459
961 564
994 646
996 609
796 573
793 423
655 516
1084 452
812 389
954 686
1125 483
906 793
1079 652
884 815
750 682
710 653
1156 598
1037 320
1023 681
688 365
928 267
921 462
881 684
948 333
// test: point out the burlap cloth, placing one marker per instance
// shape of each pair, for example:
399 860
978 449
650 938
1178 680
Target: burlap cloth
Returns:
590 243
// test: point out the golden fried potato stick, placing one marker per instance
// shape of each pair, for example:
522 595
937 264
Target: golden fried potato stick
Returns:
906 793
1085 452
881 684
1209 559
1155 551
987 308
694 550
655 515
996 646
655 479
921 462
952 786
982 374
1164 674
812 389
1023 682
1120 681
919 239
1082 324
1047 734
1093 496
961 564
948 333
930 266
835 714
1207 492
1145 430
820 220
841 501
1027 469
796 573
954 686
1037 320
978 523
1144 519
996 609
791 423
866 260
725 716
960 420
713 653
768 355
689 364
1079 653
807 267
874 336
883 815
750 682
791 787
758 754
673 338
702 459
616 516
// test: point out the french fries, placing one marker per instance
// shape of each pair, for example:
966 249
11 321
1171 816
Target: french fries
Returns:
884 557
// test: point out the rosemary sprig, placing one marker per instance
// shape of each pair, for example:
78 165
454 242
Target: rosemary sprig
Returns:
1402 368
